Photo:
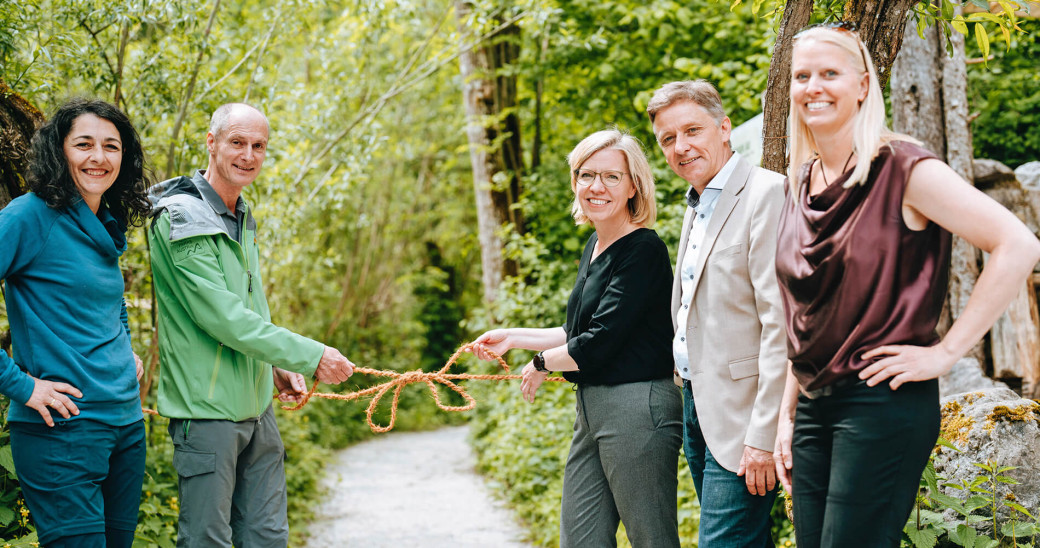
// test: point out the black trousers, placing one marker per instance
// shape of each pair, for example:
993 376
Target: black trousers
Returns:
858 457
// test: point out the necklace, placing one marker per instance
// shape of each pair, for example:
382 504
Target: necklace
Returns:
823 172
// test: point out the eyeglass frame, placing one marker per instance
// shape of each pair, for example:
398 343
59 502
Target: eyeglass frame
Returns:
577 177
843 25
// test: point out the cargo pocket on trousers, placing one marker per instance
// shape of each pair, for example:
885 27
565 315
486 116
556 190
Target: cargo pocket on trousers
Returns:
193 463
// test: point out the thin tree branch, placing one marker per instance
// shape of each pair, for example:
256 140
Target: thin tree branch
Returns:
260 56
124 38
422 72
229 73
94 36
171 157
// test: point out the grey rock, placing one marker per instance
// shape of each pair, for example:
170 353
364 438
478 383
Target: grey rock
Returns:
991 172
966 376
1028 175
995 426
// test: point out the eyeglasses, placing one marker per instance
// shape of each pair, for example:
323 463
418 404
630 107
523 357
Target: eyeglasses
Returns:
610 178
841 25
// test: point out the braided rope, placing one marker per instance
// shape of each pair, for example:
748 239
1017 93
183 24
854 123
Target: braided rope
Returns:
399 380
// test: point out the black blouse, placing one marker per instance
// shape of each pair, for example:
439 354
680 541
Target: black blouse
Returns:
619 327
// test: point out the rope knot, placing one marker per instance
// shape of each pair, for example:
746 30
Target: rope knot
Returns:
399 380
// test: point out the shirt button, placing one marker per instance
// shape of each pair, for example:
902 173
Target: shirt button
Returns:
694 246
702 215
683 339
686 306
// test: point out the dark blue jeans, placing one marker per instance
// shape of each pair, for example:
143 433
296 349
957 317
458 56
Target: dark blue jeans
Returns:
81 480
730 515
858 457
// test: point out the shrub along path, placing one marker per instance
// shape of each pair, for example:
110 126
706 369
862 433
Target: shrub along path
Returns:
411 489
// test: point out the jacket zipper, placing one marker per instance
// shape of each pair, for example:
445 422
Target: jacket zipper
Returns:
249 291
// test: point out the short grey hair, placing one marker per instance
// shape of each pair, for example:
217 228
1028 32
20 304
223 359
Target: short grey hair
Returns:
700 92
219 121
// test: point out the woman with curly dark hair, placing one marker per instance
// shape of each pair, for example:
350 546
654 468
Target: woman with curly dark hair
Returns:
77 432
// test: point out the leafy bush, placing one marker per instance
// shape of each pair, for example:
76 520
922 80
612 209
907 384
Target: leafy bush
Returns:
1005 94
975 523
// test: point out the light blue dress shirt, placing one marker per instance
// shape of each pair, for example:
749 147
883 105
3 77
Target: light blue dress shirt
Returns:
698 227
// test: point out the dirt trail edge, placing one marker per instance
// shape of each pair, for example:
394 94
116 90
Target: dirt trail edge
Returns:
411 489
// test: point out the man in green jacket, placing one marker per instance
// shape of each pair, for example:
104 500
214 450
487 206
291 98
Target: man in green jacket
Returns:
217 346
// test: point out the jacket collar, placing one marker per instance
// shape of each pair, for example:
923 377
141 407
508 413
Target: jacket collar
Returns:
190 213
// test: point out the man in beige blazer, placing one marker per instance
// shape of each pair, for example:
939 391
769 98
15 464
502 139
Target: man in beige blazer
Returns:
729 345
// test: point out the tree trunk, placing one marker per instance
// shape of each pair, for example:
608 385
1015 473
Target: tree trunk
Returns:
503 50
18 123
778 87
1016 342
493 130
881 24
929 102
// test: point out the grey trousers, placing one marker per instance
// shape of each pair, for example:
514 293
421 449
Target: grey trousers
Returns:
231 483
623 466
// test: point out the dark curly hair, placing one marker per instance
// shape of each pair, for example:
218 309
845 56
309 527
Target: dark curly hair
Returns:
49 176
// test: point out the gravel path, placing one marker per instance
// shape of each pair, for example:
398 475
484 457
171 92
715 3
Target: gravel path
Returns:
403 490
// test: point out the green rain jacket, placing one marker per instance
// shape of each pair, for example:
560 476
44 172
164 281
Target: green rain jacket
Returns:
216 339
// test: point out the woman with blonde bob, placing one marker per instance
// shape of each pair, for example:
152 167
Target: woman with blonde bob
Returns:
862 261
616 347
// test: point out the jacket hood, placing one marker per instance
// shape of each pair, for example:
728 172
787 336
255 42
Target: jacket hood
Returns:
190 214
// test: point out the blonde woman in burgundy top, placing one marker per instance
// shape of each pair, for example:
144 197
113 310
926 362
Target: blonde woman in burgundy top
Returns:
862 261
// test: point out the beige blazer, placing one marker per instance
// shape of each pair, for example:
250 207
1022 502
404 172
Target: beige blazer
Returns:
735 334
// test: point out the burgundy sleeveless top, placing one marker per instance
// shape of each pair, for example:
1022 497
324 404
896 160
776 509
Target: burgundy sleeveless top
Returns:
852 275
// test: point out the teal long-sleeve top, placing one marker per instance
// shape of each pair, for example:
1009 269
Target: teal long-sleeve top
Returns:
64 296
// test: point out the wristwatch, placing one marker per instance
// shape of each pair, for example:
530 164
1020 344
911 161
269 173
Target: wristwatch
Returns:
539 363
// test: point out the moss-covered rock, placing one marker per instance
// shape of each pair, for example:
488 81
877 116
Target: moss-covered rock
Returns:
993 426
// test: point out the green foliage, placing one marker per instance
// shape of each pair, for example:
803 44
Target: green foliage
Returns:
1005 99
350 194
942 13
157 520
976 523
368 171
14 516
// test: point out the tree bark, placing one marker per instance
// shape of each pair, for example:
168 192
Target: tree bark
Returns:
929 102
881 24
502 52
493 130
18 122
778 87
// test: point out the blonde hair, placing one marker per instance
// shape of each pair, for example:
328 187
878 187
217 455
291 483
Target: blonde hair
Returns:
869 132
642 207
